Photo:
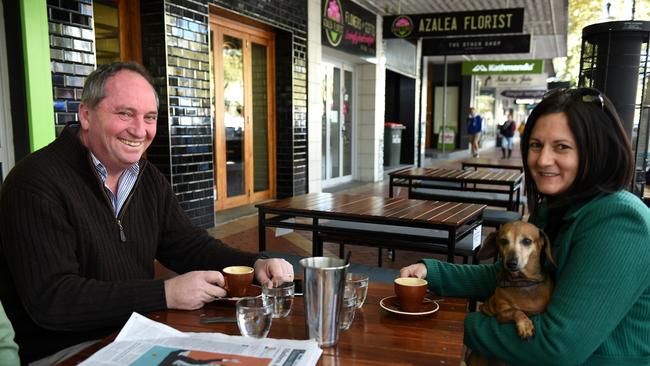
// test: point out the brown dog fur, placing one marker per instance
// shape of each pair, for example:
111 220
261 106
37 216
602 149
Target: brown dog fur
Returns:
524 287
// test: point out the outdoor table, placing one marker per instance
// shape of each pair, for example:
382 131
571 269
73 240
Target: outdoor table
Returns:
394 223
492 163
491 187
376 337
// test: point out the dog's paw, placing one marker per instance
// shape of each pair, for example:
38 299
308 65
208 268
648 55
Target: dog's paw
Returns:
525 328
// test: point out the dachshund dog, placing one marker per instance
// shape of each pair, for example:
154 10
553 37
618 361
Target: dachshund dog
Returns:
524 288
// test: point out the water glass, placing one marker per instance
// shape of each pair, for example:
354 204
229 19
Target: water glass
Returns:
254 316
359 282
348 307
281 297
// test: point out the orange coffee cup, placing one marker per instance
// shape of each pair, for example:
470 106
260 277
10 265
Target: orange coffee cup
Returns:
410 293
238 280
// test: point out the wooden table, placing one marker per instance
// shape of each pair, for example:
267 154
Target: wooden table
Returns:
493 163
494 188
376 336
393 223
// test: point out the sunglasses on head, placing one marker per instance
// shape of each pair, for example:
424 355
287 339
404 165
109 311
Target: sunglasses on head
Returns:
586 95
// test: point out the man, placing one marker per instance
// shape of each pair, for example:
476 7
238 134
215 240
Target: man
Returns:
474 127
83 219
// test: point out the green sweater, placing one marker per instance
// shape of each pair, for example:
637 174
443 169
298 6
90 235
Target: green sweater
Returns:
600 311
8 348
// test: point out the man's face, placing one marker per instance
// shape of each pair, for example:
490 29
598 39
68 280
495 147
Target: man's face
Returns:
121 127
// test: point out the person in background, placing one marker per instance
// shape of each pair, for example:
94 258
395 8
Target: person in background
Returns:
474 128
507 131
578 165
8 348
83 219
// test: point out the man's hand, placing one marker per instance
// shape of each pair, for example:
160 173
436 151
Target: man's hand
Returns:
192 290
418 270
275 270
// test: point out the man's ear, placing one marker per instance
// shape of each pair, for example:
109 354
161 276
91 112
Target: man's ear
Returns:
84 115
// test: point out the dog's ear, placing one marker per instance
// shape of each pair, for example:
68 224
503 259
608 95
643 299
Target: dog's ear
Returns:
489 247
547 246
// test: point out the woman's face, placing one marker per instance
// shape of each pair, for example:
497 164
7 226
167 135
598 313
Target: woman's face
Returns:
552 154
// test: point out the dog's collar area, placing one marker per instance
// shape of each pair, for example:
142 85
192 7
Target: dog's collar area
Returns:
519 282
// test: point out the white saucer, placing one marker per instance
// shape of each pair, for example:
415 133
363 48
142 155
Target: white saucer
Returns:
391 304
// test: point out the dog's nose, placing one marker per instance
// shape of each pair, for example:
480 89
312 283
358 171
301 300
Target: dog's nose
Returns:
512 264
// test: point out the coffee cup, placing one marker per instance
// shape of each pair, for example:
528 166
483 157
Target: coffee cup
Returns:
238 280
410 293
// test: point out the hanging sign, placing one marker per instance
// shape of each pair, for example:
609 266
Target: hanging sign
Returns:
475 45
502 67
348 27
454 24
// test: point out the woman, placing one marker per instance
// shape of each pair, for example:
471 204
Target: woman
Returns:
507 131
578 164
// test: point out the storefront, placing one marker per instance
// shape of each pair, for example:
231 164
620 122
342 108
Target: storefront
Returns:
504 87
348 46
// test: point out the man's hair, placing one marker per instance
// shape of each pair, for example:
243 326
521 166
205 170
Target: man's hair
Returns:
605 158
95 85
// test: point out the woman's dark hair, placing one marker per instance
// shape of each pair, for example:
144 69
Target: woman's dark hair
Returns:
94 87
606 162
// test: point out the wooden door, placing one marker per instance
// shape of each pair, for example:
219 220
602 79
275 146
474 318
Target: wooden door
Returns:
244 112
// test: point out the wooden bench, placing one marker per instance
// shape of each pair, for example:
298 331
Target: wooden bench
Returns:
395 237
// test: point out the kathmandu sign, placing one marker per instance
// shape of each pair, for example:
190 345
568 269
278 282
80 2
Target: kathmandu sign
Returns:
502 67
454 24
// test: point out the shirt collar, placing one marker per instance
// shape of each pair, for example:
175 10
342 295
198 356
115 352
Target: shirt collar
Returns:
103 173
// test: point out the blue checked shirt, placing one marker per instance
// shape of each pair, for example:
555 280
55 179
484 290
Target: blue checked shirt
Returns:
124 184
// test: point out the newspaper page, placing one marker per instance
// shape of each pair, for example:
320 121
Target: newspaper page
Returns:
144 342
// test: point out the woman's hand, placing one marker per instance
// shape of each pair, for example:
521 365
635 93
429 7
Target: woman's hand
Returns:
418 270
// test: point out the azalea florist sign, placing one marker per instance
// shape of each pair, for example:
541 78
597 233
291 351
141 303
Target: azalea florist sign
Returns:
453 24
348 27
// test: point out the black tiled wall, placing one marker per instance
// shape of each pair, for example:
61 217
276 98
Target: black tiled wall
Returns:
71 53
175 50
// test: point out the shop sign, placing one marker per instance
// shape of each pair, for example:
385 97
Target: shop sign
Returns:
348 27
514 80
475 45
502 67
528 94
454 24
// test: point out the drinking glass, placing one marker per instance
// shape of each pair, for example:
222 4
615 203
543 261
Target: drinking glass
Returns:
254 316
359 282
348 307
281 297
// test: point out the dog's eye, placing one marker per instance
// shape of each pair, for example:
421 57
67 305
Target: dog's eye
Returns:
526 241
503 242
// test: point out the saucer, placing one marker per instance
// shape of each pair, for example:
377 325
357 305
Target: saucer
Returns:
252 291
391 304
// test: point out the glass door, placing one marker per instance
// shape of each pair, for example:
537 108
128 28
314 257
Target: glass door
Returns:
244 113
337 120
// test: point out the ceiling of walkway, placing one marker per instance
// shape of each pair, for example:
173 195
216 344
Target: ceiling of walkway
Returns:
545 20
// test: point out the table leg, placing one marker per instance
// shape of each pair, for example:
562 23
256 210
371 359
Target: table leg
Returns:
261 227
451 246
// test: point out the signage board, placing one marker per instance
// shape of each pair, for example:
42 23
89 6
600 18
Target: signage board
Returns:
348 27
525 93
519 81
502 67
454 24
475 45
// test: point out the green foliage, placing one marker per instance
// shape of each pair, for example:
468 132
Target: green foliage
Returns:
586 12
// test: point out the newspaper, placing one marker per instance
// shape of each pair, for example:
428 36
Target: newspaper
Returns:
144 342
